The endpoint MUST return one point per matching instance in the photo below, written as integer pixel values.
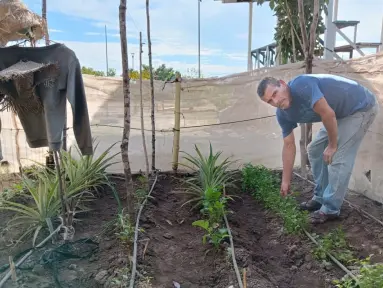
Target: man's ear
(282, 82)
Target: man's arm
(328, 117)
(288, 158)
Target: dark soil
(106, 254)
(170, 249)
(175, 251)
(271, 258)
(364, 234)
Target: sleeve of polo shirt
(286, 125)
(310, 88)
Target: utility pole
(199, 38)
(133, 61)
(249, 60)
(106, 52)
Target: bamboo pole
(130, 192)
(142, 113)
(151, 88)
(17, 142)
(177, 122)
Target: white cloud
(55, 31)
(243, 36)
(174, 30)
(92, 54)
(93, 33)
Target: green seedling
(368, 276)
(264, 186)
(335, 243)
(214, 233)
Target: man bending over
(346, 109)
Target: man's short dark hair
(264, 83)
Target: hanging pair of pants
(331, 181)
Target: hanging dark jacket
(44, 127)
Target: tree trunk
(293, 41)
(142, 113)
(126, 132)
(308, 47)
(151, 88)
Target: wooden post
(151, 88)
(130, 192)
(177, 122)
(142, 112)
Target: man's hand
(328, 154)
(285, 189)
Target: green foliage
(207, 189)
(209, 174)
(335, 243)
(215, 234)
(164, 73)
(125, 229)
(45, 203)
(369, 276)
(91, 71)
(283, 32)
(83, 177)
(214, 208)
(263, 185)
(9, 193)
(111, 72)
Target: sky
(80, 25)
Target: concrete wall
(210, 102)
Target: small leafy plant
(207, 189)
(125, 230)
(335, 243)
(214, 232)
(368, 276)
(264, 186)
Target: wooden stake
(151, 88)
(177, 122)
(14, 120)
(12, 268)
(142, 113)
(244, 278)
(126, 133)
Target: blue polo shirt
(343, 95)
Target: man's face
(278, 96)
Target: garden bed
(171, 252)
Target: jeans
(331, 181)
